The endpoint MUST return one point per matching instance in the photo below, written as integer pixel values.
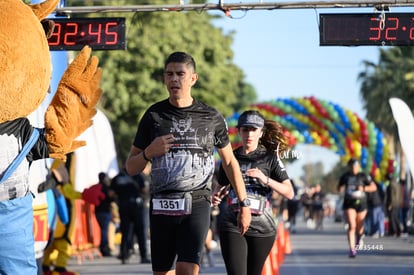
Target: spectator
(393, 203)
(318, 207)
(306, 201)
(130, 198)
(404, 206)
(376, 215)
(293, 207)
(103, 213)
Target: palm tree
(391, 77)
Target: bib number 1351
(169, 204)
(172, 206)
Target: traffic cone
(267, 267)
(281, 234)
(288, 244)
(274, 260)
(280, 241)
(280, 250)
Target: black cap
(250, 120)
(352, 162)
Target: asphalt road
(325, 252)
(313, 252)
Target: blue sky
(280, 54)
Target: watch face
(245, 202)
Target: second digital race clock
(355, 29)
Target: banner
(405, 122)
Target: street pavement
(326, 253)
(314, 252)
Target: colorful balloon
(323, 123)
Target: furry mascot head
(25, 69)
(25, 59)
(25, 74)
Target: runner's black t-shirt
(272, 166)
(197, 129)
(352, 182)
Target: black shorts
(359, 205)
(179, 238)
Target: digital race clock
(386, 29)
(98, 33)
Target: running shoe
(352, 253)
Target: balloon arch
(309, 120)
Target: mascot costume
(25, 73)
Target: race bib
(175, 204)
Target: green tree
(312, 173)
(132, 79)
(331, 179)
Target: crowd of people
(367, 207)
(310, 201)
(252, 180)
(185, 212)
(124, 210)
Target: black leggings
(244, 255)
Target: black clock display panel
(98, 33)
(380, 29)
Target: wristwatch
(244, 203)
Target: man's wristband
(145, 156)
